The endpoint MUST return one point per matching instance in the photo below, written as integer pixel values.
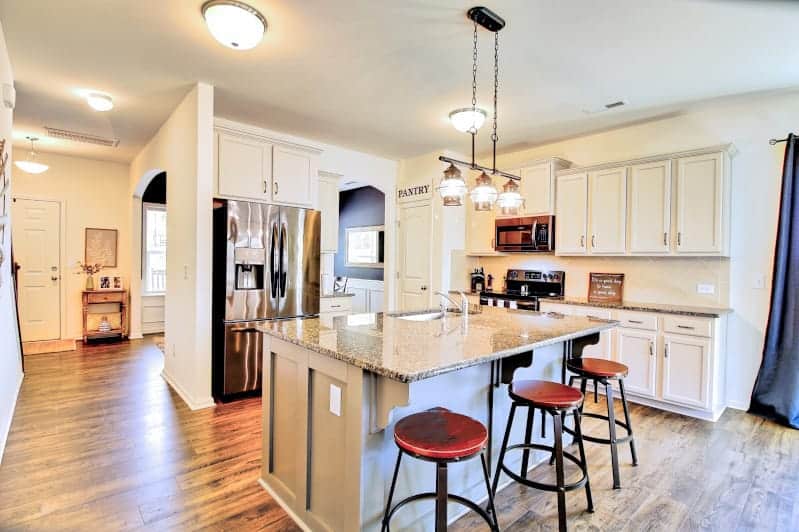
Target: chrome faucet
(464, 305)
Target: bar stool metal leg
(528, 439)
(441, 497)
(578, 431)
(504, 448)
(627, 421)
(491, 508)
(614, 447)
(558, 422)
(391, 492)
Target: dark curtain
(776, 392)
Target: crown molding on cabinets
(729, 149)
(223, 124)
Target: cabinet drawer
(335, 304)
(637, 320)
(110, 297)
(590, 312)
(687, 325)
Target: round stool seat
(545, 394)
(439, 434)
(597, 367)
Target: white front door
(37, 248)
(415, 233)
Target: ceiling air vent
(80, 137)
(613, 105)
(605, 107)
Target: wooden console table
(102, 297)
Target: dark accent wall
(156, 190)
(358, 207)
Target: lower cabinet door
(686, 370)
(636, 350)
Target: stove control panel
(532, 275)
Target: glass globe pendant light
(31, 165)
(468, 119)
(484, 194)
(510, 201)
(452, 188)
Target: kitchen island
(331, 394)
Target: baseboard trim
(738, 405)
(286, 507)
(207, 402)
(7, 429)
(135, 336)
(707, 415)
(48, 346)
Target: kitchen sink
(427, 316)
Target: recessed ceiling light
(234, 24)
(99, 101)
(30, 165)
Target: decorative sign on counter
(415, 193)
(605, 287)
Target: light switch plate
(759, 282)
(335, 400)
(705, 288)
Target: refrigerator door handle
(284, 266)
(275, 264)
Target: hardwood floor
(741, 473)
(100, 442)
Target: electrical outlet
(185, 272)
(173, 350)
(705, 288)
(335, 400)
(759, 281)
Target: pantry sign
(415, 193)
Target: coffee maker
(478, 281)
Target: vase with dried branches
(89, 270)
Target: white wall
(748, 123)
(93, 194)
(183, 148)
(10, 356)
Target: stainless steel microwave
(526, 234)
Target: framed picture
(101, 247)
(116, 283)
(105, 282)
(605, 287)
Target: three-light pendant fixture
(453, 188)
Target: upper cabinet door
(537, 189)
(700, 204)
(571, 214)
(608, 208)
(293, 176)
(244, 167)
(329, 205)
(650, 207)
(480, 229)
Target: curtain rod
(777, 141)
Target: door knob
(423, 288)
(53, 278)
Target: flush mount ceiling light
(30, 165)
(234, 24)
(99, 102)
(469, 120)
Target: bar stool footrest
(450, 497)
(543, 486)
(605, 441)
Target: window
(365, 247)
(154, 248)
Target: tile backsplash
(669, 280)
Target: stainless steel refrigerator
(266, 267)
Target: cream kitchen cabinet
(244, 167)
(537, 186)
(607, 207)
(329, 206)
(293, 176)
(480, 231)
(637, 350)
(649, 208)
(702, 204)
(571, 211)
(686, 370)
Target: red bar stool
(604, 372)
(558, 400)
(442, 437)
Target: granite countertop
(337, 294)
(683, 310)
(408, 351)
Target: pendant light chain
(474, 70)
(494, 137)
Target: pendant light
(452, 187)
(510, 201)
(468, 120)
(30, 165)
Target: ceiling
(381, 76)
